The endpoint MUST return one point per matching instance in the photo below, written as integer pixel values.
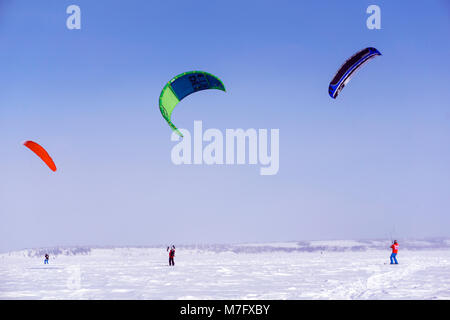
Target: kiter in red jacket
(394, 248)
(171, 256)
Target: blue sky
(374, 159)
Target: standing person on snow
(394, 248)
(171, 256)
(46, 258)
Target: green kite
(180, 87)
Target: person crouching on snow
(394, 248)
(46, 259)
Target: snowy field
(291, 270)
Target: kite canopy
(180, 87)
(41, 153)
(347, 70)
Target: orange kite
(41, 153)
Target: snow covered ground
(290, 270)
